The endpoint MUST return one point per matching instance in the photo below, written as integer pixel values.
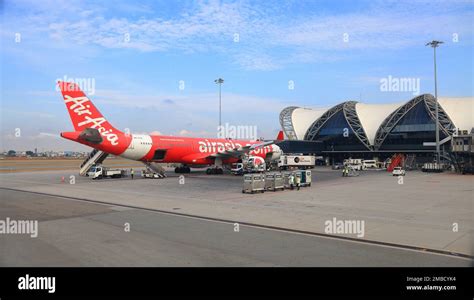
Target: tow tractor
(99, 172)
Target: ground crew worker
(291, 180)
(298, 182)
(131, 173)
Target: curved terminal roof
(370, 117)
(305, 117)
(460, 110)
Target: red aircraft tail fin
(280, 136)
(82, 111)
(90, 126)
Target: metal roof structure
(372, 123)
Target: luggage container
(305, 178)
(274, 181)
(254, 183)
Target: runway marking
(261, 226)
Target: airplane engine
(255, 164)
(255, 161)
(275, 154)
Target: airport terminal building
(380, 130)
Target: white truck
(99, 172)
(299, 161)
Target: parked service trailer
(299, 161)
(254, 183)
(274, 181)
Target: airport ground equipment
(433, 167)
(349, 171)
(298, 161)
(396, 161)
(249, 166)
(254, 183)
(149, 173)
(237, 169)
(254, 164)
(99, 171)
(354, 163)
(410, 162)
(274, 181)
(305, 178)
(296, 173)
(286, 179)
(155, 168)
(96, 157)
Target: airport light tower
(434, 44)
(220, 81)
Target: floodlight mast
(220, 81)
(434, 44)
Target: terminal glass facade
(412, 130)
(337, 135)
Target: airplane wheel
(187, 170)
(220, 171)
(177, 170)
(208, 171)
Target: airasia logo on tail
(79, 106)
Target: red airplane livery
(93, 130)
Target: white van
(370, 164)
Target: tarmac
(424, 221)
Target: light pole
(434, 44)
(220, 81)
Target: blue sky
(332, 50)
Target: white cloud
(209, 26)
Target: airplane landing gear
(210, 171)
(183, 169)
